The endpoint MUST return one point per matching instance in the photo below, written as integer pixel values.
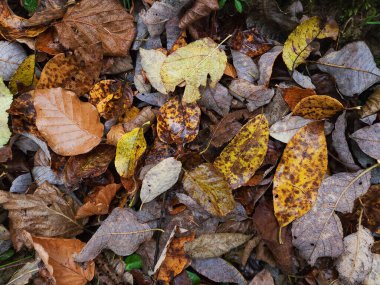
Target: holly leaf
(368, 139)
(6, 99)
(317, 107)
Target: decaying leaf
(285, 129)
(177, 122)
(374, 276)
(22, 276)
(245, 66)
(6, 99)
(121, 232)
(93, 21)
(241, 158)
(250, 42)
(152, 61)
(24, 74)
(200, 9)
(266, 63)
(217, 99)
(60, 111)
(317, 107)
(129, 149)
(142, 120)
(297, 46)
(11, 56)
(293, 95)
(160, 178)
(262, 278)
(368, 139)
(355, 263)
(214, 245)
(192, 64)
(299, 173)
(98, 202)
(372, 105)
(208, 188)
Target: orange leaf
(294, 94)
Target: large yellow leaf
(24, 74)
(192, 64)
(299, 173)
(129, 149)
(297, 46)
(245, 153)
(5, 102)
(317, 107)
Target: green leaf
(133, 261)
(238, 6)
(6, 255)
(222, 3)
(195, 279)
(30, 5)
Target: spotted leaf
(318, 107)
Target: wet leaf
(160, 178)
(129, 149)
(293, 95)
(192, 64)
(368, 139)
(208, 188)
(121, 232)
(60, 111)
(11, 56)
(297, 47)
(178, 123)
(240, 159)
(24, 74)
(6, 99)
(89, 22)
(200, 9)
(318, 107)
(300, 173)
(152, 61)
(250, 42)
(372, 105)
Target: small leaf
(200, 9)
(240, 159)
(238, 6)
(129, 149)
(299, 173)
(317, 107)
(133, 261)
(24, 74)
(250, 42)
(368, 139)
(266, 63)
(245, 66)
(6, 99)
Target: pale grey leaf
(11, 56)
(368, 139)
(28, 142)
(156, 99)
(286, 128)
(302, 80)
(266, 62)
(172, 32)
(262, 278)
(276, 109)
(217, 99)
(116, 64)
(43, 174)
(5, 239)
(23, 275)
(142, 31)
(245, 67)
(374, 276)
(21, 183)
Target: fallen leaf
(25, 273)
(317, 107)
(230, 70)
(276, 109)
(218, 270)
(192, 64)
(116, 64)
(373, 277)
(262, 278)
(47, 42)
(143, 119)
(302, 80)
(24, 74)
(353, 68)
(286, 128)
(250, 42)
(155, 98)
(266, 63)
(152, 61)
(21, 183)
(300, 173)
(129, 149)
(46, 11)
(200, 9)
(60, 111)
(245, 66)
(372, 105)
(47, 212)
(45, 173)
(217, 99)
(158, 152)
(6, 99)
(240, 159)
(214, 245)
(88, 22)
(178, 123)
(319, 233)
(121, 232)
(368, 139)
(160, 178)
(111, 98)
(180, 40)
(76, 72)
(11, 56)
(356, 260)
(297, 47)
(208, 188)
(293, 95)
(57, 255)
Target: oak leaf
(61, 112)
(24, 74)
(317, 107)
(368, 139)
(6, 99)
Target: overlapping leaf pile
(141, 144)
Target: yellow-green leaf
(317, 107)
(245, 153)
(129, 149)
(208, 187)
(297, 47)
(299, 173)
(5, 102)
(24, 74)
(192, 64)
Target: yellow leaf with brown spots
(299, 173)
(129, 149)
(317, 107)
(245, 153)
(177, 122)
(24, 74)
(111, 97)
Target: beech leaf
(368, 139)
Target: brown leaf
(142, 120)
(159, 151)
(317, 107)
(250, 42)
(372, 105)
(47, 11)
(200, 9)
(47, 43)
(115, 134)
(93, 21)
(262, 278)
(292, 95)
(61, 112)
(57, 255)
(217, 99)
(76, 72)
(47, 212)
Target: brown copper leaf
(47, 43)
(200, 9)
(159, 151)
(250, 42)
(94, 21)
(292, 95)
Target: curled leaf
(11, 56)
(200, 9)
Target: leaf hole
(312, 244)
(360, 183)
(294, 237)
(276, 196)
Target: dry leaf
(24, 75)
(143, 119)
(158, 152)
(192, 64)
(152, 61)
(208, 188)
(250, 42)
(317, 107)
(262, 278)
(11, 56)
(286, 128)
(217, 99)
(47, 42)
(160, 178)
(299, 173)
(200, 9)
(21, 183)
(372, 105)
(178, 123)
(245, 66)
(6, 99)
(374, 276)
(266, 63)
(23, 275)
(60, 111)
(240, 159)
(293, 95)
(368, 139)
(93, 21)
(156, 98)
(121, 232)
(98, 202)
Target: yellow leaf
(24, 74)
(245, 153)
(297, 47)
(129, 149)
(192, 64)
(151, 61)
(299, 173)
(5, 102)
(317, 107)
